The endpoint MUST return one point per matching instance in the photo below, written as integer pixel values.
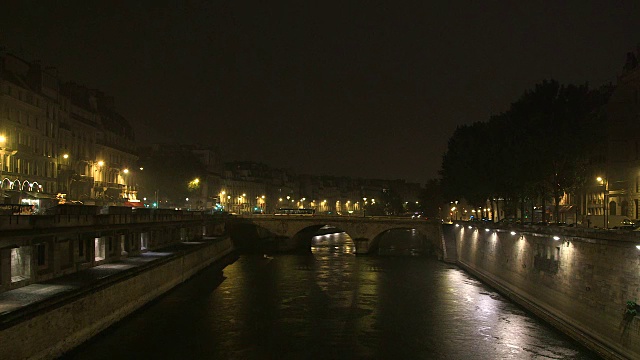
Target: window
(42, 254)
(99, 249)
(81, 248)
(20, 263)
(144, 241)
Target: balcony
(108, 185)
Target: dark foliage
(534, 152)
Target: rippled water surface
(330, 304)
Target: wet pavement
(18, 302)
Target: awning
(36, 195)
(561, 208)
(134, 204)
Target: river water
(331, 304)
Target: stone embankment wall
(579, 281)
(51, 332)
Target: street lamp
(98, 164)
(3, 151)
(364, 207)
(605, 215)
(67, 176)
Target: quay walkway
(74, 295)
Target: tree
(169, 173)
(432, 198)
(391, 202)
(536, 151)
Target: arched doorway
(613, 210)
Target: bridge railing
(27, 222)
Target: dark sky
(364, 89)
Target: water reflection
(335, 243)
(404, 242)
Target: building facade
(615, 189)
(61, 140)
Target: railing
(564, 232)
(29, 222)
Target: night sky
(363, 89)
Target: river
(331, 304)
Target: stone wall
(59, 328)
(578, 284)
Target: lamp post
(125, 187)
(3, 151)
(67, 176)
(605, 216)
(156, 196)
(93, 167)
(364, 207)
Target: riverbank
(578, 280)
(44, 320)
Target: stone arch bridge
(363, 230)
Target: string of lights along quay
(331, 304)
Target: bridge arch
(323, 235)
(363, 230)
